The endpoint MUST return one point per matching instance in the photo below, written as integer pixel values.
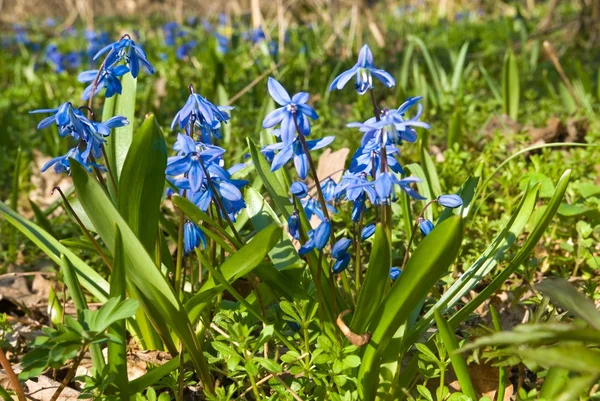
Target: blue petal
(282, 158)
(288, 129)
(340, 248)
(301, 164)
(341, 80)
(274, 117)
(299, 189)
(365, 57)
(278, 92)
(308, 111)
(300, 98)
(426, 226)
(229, 191)
(319, 143)
(322, 234)
(384, 77)
(395, 273)
(341, 264)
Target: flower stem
(14, 380)
(414, 230)
(86, 232)
(179, 262)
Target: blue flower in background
(109, 79)
(295, 150)
(184, 50)
(127, 51)
(291, 106)
(317, 238)
(193, 237)
(425, 225)
(363, 70)
(171, 31)
(96, 41)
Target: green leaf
(458, 363)
(119, 141)
(41, 219)
(576, 358)
(268, 364)
(422, 187)
(159, 299)
(459, 68)
(117, 352)
(429, 262)
(142, 182)
(455, 133)
(376, 280)
(261, 215)
(567, 296)
(236, 266)
(113, 310)
(510, 86)
(154, 375)
(87, 276)
(521, 255)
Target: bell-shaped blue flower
(452, 201)
(425, 225)
(363, 71)
(299, 189)
(193, 237)
(294, 225)
(317, 238)
(340, 248)
(341, 264)
(291, 107)
(367, 232)
(328, 187)
(395, 273)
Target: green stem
(179, 263)
(414, 230)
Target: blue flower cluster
(90, 136)
(122, 57)
(197, 170)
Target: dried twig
(14, 380)
(358, 340)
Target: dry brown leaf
(44, 388)
(485, 381)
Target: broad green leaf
(468, 193)
(261, 215)
(141, 183)
(119, 141)
(236, 266)
(510, 86)
(159, 299)
(567, 296)
(41, 219)
(430, 261)
(87, 276)
(458, 363)
(117, 352)
(373, 288)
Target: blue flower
(367, 159)
(363, 70)
(188, 161)
(317, 238)
(109, 78)
(340, 248)
(69, 120)
(341, 264)
(62, 164)
(451, 201)
(367, 231)
(295, 150)
(294, 106)
(426, 226)
(312, 207)
(395, 273)
(328, 186)
(355, 186)
(384, 186)
(202, 113)
(184, 50)
(392, 127)
(127, 51)
(294, 225)
(193, 237)
(299, 189)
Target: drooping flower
(425, 225)
(317, 238)
(340, 247)
(295, 150)
(292, 107)
(294, 225)
(328, 187)
(127, 51)
(299, 189)
(312, 207)
(193, 237)
(109, 78)
(341, 264)
(367, 232)
(363, 70)
(62, 164)
(452, 201)
(198, 111)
